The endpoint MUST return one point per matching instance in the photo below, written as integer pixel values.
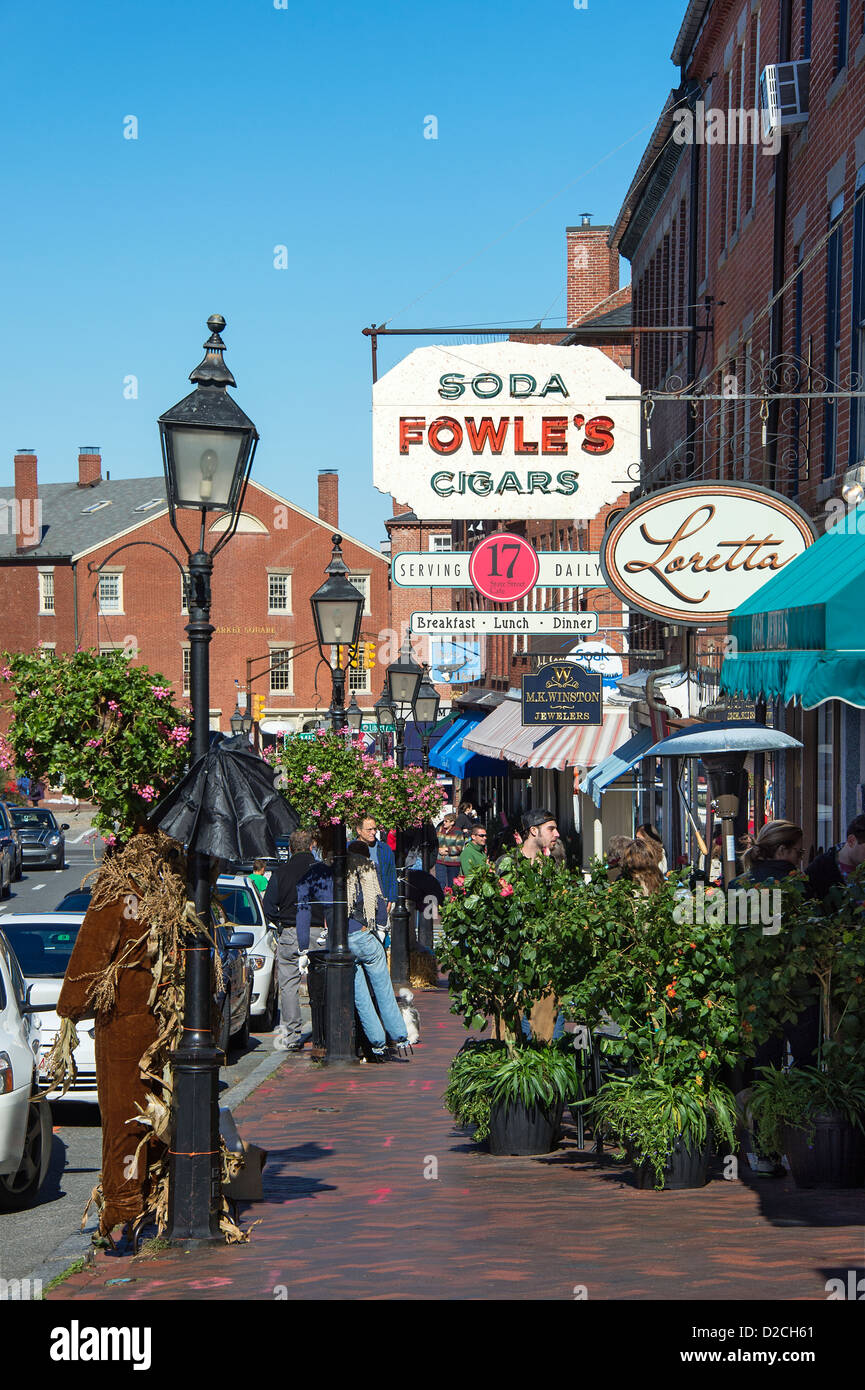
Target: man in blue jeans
(366, 910)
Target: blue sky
(303, 127)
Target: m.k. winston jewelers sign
(562, 693)
(693, 553)
(511, 430)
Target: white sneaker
(281, 1040)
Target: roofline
(118, 535)
(688, 31)
(310, 516)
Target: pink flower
(506, 889)
(179, 735)
(93, 743)
(334, 820)
(110, 839)
(113, 705)
(5, 673)
(459, 881)
(34, 695)
(146, 793)
(28, 752)
(306, 778)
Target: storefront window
(825, 785)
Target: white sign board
(502, 624)
(694, 552)
(511, 430)
(559, 569)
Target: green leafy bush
(532, 1075)
(647, 1115)
(796, 1097)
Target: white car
(25, 1124)
(242, 905)
(43, 943)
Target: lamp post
(337, 611)
(403, 683)
(208, 444)
(354, 716)
(426, 713)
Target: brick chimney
(593, 268)
(89, 466)
(399, 508)
(328, 496)
(28, 515)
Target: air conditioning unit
(784, 95)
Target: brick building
(61, 533)
(407, 534)
(754, 246)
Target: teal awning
(451, 755)
(802, 635)
(601, 778)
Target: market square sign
(692, 553)
(508, 430)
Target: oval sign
(693, 553)
(504, 567)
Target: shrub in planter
(667, 1129)
(513, 1095)
(817, 1119)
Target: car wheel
(268, 1018)
(18, 1190)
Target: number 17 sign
(504, 567)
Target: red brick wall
(328, 497)
(89, 469)
(592, 269)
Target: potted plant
(659, 994)
(503, 944)
(815, 1114)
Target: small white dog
(411, 1017)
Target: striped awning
(494, 733)
(573, 746)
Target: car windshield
(43, 820)
(239, 906)
(42, 948)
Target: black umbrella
(227, 805)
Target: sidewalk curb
(75, 1247)
(236, 1095)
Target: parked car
(243, 906)
(42, 839)
(244, 866)
(232, 1002)
(42, 942)
(25, 1124)
(9, 836)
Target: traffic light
(369, 655)
(258, 703)
(350, 656)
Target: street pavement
(44, 1240)
(371, 1193)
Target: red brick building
(61, 533)
(754, 245)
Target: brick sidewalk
(350, 1214)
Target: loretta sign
(510, 430)
(693, 553)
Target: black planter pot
(686, 1167)
(518, 1129)
(835, 1159)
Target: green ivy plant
(111, 730)
(331, 778)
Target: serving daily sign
(691, 554)
(512, 430)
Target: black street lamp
(426, 713)
(241, 722)
(208, 446)
(403, 683)
(337, 611)
(354, 716)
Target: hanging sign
(504, 567)
(473, 623)
(562, 694)
(557, 569)
(692, 553)
(509, 430)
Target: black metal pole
(399, 947)
(340, 964)
(194, 1191)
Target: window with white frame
(281, 672)
(111, 592)
(47, 649)
(441, 542)
(361, 581)
(278, 591)
(358, 680)
(186, 681)
(46, 591)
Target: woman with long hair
(652, 840)
(774, 852)
(639, 865)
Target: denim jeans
(371, 971)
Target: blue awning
(601, 778)
(450, 755)
(413, 746)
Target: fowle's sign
(693, 553)
(511, 430)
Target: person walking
(466, 817)
(451, 842)
(474, 851)
(280, 906)
(366, 908)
